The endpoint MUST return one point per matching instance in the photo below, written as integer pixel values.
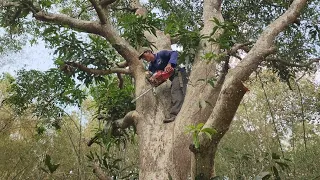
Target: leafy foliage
(113, 166)
(229, 32)
(112, 104)
(133, 26)
(45, 93)
(250, 149)
(183, 21)
(196, 129)
(88, 50)
(111, 101)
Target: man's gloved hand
(168, 68)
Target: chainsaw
(155, 80)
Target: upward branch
(160, 40)
(233, 90)
(99, 11)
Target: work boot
(170, 119)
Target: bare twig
(303, 117)
(84, 10)
(236, 47)
(88, 26)
(272, 116)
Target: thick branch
(210, 9)
(88, 26)
(107, 31)
(128, 120)
(311, 61)
(140, 10)
(99, 11)
(160, 40)
(236, 47)
(98, 71)
(233, 89)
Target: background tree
(251, 147)
(210, 31)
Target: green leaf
(216, 21)
(212, 81)
(210, 131)
(209, 135)
(190, 128)
(196, 141)
(199, 126)
(214, 30)
(169, 176)
(40, 130)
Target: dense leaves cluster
(132, 28)
(44, 93)
(111, 101)
(88, 50)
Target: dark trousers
(178, 92)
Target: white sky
(30, 57)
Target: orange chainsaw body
(159, 77)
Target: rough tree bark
(165, 149)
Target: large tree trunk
(165, 148)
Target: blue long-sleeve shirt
(162, 58)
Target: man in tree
(166, 60)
